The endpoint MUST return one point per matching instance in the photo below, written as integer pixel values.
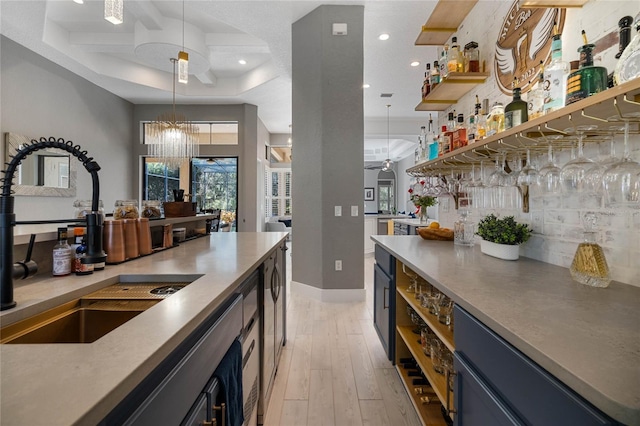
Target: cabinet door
(198, 415)
(268, 337)
(278, 295)
(382, 290)
(476, 403)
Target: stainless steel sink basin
(87, 319)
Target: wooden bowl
(440, 234)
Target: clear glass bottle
(460, 133)
(454, 57)
(471, 129)
(481, 119)
(471, 57)
(444, 58)
(433, 140)
(628, 67)
(588, 79)
(555, 77)
(82, 268)
(464, 230)
(515, 113)
(423, 144)
(589, 264)
(435, 75)
(126, 209)
(495, 119)
(535, 97)
(61, 255)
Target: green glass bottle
(588, 79)
(515, 113)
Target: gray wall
(328, 131)
(40, 98)
(247, 150)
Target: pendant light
(113, 11)
(386, 164)
(172, 138)
(183, 57)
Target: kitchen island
(63, 384)
(586, 338)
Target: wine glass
(527, 177)
(497, 180)
(549, 175)
(621, 181)
(593, 178)
(572, 176)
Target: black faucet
(9, 270)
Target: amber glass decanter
(589, 265)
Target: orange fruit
(434, 225)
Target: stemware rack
(607, 108)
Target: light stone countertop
(588, 338)
(64, 384)
(413, 222)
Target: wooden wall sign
(524, 41)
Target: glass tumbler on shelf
(589, 264)
(413, 277)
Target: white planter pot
(501, 251)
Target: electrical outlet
(338, 210)
(338, 265)
(354, 210)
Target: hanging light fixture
(172, 139)
(183, 57)
(386, 164)
(289, 140)
(113, 11)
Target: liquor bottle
(471, 57)
(435, 75)
(423, 89)
(454, 57)
(555, 76)
(471, 128)
(83, 268)
(451, 120)
(536, 96)
(625, 34)
(515, 113)
(588, 79)
(78, 234)
(444, 58)
(433, 141)
(495, 119)
(427, 80)
(628, 67)
(460, 133)
(481, 119)
(61, 255)
(445, 142)
(423, 143)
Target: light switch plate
(338, 210)
(338, 265)
(354, 210)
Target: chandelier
(171, 137)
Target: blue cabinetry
(384, 300)
(497, 384)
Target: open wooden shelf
(622, 99)
(429, 414)
(437, 381)
(444, 21)
(450, 89)
(444, 332)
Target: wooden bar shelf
(444, 21)
(430, 414)
(450, 89)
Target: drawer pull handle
(223, 409)
(384, 298)
(448, 374)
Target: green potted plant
(501, 238)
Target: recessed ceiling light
(383, 36)
(415, 63)
(242, 62)
(366, 86)
(79, 1)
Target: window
(160, 181)
(385, 196)
(277, 183)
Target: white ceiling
(131, 60)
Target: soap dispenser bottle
(589, 264)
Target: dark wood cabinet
(384, 296)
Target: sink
(90, 317)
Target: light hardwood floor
(333, 369)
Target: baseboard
(329, 294)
